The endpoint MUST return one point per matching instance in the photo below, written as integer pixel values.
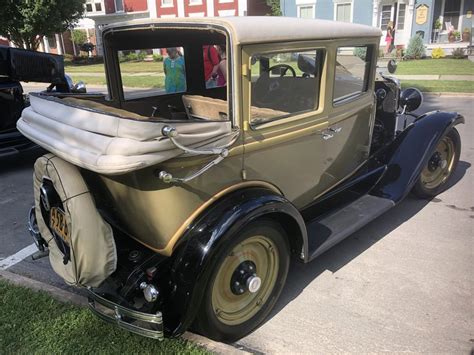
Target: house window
(94, 5)
(401, 16)
(285, 84)
(386, 16)
(52, 42)
(118, 5)
(195, 2)
(306, 12)
(452, 9)
(343, 12)
(167, 3)
(352, 69)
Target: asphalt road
(404, 283)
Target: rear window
(352, 69)
(152, 72)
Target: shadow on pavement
(20, 161)
(300, 275)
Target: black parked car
(18, 65)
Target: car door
(284, 117)
(352, 115)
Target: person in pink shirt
(220, 70)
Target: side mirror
(79, 88)
(410, 99)
(392, 66)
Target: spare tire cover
(81, 244)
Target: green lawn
(440, 85)
(128, 81)
(436, 67)
(32, 322)
(125, 67)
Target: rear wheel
(441, 165)
(245, 283)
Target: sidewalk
(436, 77)
(95, 74)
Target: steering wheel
(269, 91)
(286, 67)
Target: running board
(327, 231)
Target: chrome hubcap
(254, 283)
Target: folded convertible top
(107, 142)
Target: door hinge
(246, 71)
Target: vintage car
(179, 206)
(18, 65)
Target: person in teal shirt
(175, 74)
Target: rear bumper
(144, 324)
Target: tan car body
(288, 155)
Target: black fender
(194, 258)
(406, 156)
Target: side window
(352, 69)
(285, 84)
(215, 65)
(152, 72)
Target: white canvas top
(260, 29)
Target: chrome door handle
(329, 133)
(335, 130)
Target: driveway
(403, 283)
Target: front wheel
(245, 283)
(441, 166)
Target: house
(410, 17)
(103, 12)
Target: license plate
(58, 224)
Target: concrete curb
(69, 297)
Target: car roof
(261, 29)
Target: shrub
(157, 57)
(458, 53)
(84, 59)
(360, 52)
(141, 55)
(416, 48)
(68, 57)
(131, 57)
(437, 53)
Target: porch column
(210, 8)
(375, 15)
(180, 4)
(58, 44)
(409, 20)
(427, 26)
(46, 44)
(151, 4)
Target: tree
(79, 37)
(24, 22)
(275, 7)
